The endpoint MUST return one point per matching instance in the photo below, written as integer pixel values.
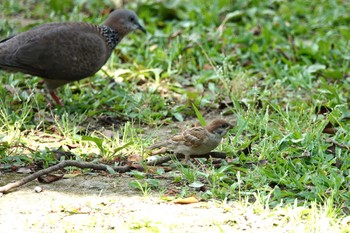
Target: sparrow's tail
(156, 145)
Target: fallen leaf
(263, 162)
(66, 154)
(341, 145)
(135, 158)
(225, 104)
(73, 146)
(247, 150)
(322, 110)
(49, 178)
(256, 30)
(167, 168)
(196, 184)
(24, 170)
(208, 67)
(10, 89)
(188, 200)
(329, 129)
(71, 175)
(153, 47)
(108, 133)
(339, 163)
(331, 149)
(174, 35)
(247, 63)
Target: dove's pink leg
(55, 98)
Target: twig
(337, 143)
(68, 163)
(167, 158)
(306, 154)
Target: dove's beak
(141, 28)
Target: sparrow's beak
(230, 126)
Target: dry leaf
(263, 162)
(10, 89)
(49, 178)
(256, 30)
(331, 149)
(329, 130)
(208, 67)
(322, 110)
(175, 34)
(134, 158)
(108, 133)
(24, 170)
(71, 175)
(188, 200)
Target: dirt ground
(99, 203)
(104, 204)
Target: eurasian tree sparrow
(196, 140)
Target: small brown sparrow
(196, 140)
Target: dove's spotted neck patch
(111, 36)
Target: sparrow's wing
(191, 137)
(195, 136)
(177, 139)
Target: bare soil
(98, 203)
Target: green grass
(270, 65)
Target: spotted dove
(66, 52)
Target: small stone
(38, 189)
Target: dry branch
(338, 144)
(121, 169)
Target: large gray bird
(66, 52)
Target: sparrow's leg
(187, 158)
(188, 162)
